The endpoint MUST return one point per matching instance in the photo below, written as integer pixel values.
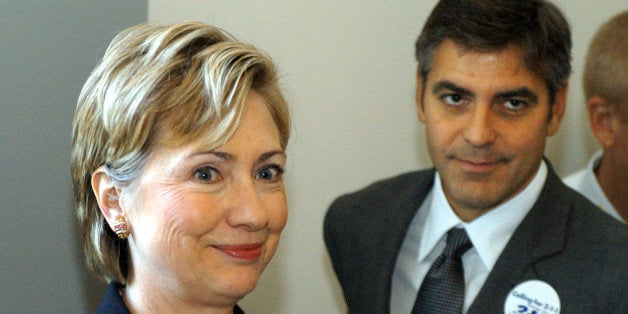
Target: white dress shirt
(425, 241)
(585, 182)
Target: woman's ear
(107, 195)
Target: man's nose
(480, 128)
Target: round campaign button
(532, 297)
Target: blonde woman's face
(206, 222)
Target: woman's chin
(241, 284)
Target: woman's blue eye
(269, 174)
(204, 174)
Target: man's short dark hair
(537, 27)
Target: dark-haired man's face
(486, 119)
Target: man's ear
(419, 97)
(558, 109)
(601, 120)
(107, 195)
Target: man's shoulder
(400, 195)
(596, 248)
(598, 226)
(588, 228)
(569, 217)
(392, 187)
(370, 224)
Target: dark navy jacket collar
(113, 303)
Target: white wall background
(348, 71)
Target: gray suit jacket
(565, 241)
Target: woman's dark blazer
(113, 303)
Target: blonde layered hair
(606, 64)
(167, 84)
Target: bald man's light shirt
(585, 182)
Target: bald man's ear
(419, 97)
(601, 118)
(107, 195)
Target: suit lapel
(540, 234)
(403, 207)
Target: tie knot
(457, 243)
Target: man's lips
(479, 165)
(248, 252)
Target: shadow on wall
(47, 52)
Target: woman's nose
(247, 209)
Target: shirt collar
(490, 232)
(439, 219)
(593, 186)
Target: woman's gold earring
(120, 227)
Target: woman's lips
(247, 252)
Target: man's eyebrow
(523, 92)
(450, 86)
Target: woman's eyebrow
(265, 156)
(221, 155)
(230, 157)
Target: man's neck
(614, 185)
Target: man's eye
(269, 173)
(453, 99)
(515, 104)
